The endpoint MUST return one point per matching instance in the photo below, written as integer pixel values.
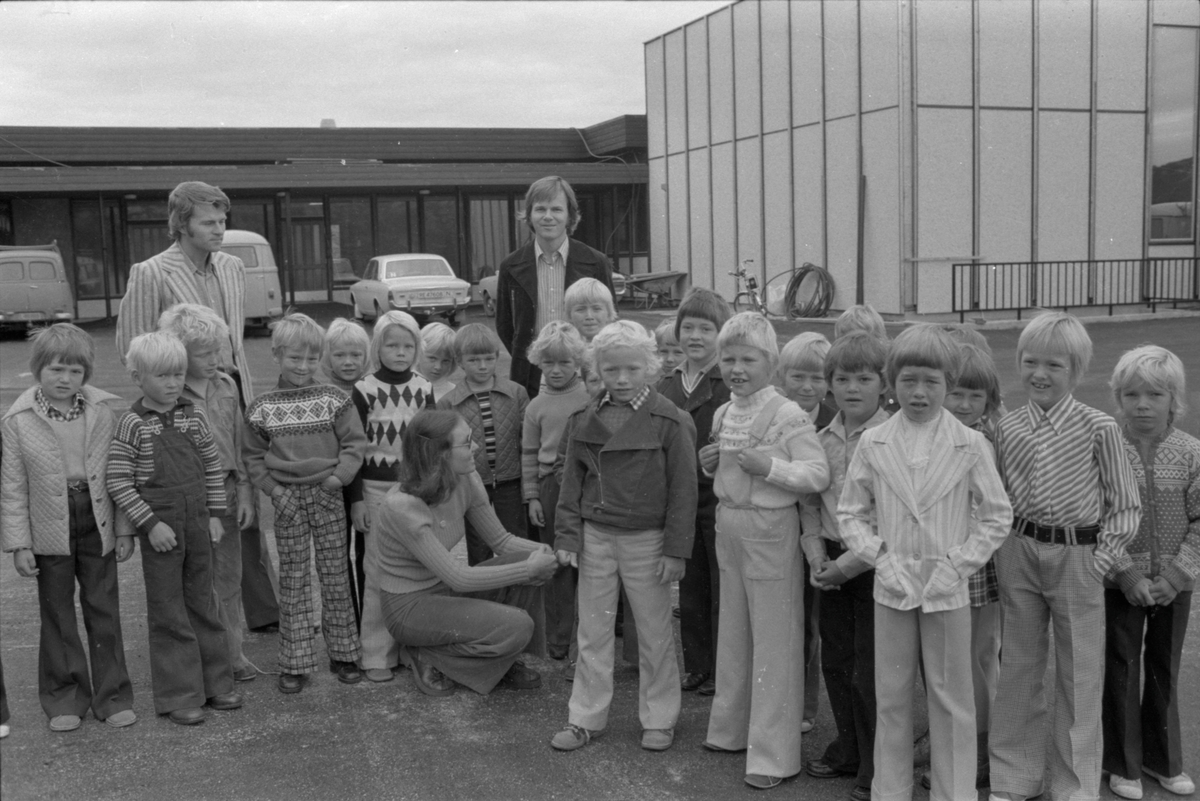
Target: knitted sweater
(1167, 542)
(509, 400)
(33, 483)
(545, 423)
(302, 435)
(386, 400)
(131, 458)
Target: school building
(327, 199)
(969, 157)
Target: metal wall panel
(807, 70)
(776, 67)
(944, 60)
(1062, 192)
(659, 235)
(720, 74)
(944, 202)
(724, 225)
(749, 202)
(676, 100)
(656, 103)
(880, 54)
(808, 197)
(697, 83)
(1064, 53)
(1005, 53)
(1120, 185)
(1005, 185)
(1176, 12)
(881, 242)
(700, 192)
(841, 203)
(841, 59)
(777, 204)
(677, 211)
(747, 76)
(1121, 56)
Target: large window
(397, 225)
(349, 237)
(1173, 134)
(490, 222)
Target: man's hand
(162, 537)
(542, 567)
(670, 568)
(25, 562)
(535, 513)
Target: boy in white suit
(906, 509)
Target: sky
(557, 63)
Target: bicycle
(800, 300)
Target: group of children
(866, 495)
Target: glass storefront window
(490, 221)
(397, 225)
(349, 238)
(144, 210)
(1173, 134)
(441, 229)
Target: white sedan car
(421, 284)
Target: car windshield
(410, 268)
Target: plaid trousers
(1044, 586)
(307, 515)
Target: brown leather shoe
(429, 679)
(520, 677)
(226, 701)
(187, 717)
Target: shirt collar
(54, 414)
(204, 268)
(636, 402)
(1057, 416)
(563, 249)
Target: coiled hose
(822, 290)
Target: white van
(33, 286)
(264, 300)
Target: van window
(42, 271)
(246, 253)
(12, 271)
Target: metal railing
(1021, 286)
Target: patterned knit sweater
(1167, 542)
(545, 422)
(386, 400)
(131, 458)
(508, 400)
(302, 435)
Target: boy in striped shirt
(1075, 509)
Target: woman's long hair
(426, 472)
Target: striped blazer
(168, 278)
(933, 540)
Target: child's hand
(1139, 594)
(162, 537)
(542, 567)
(25, 562)
(277, 491)
(245, 508)
(754, 462)
(360, 516)
(216, 529)
(830, 576)
(332, 484)
(124, 548)
(670, 568)
(567, 558)
(1162, 591)
(710, 456)
(535, 513)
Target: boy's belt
(1066, 535)
(77, 486)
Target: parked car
(264, 299)
(33, 286)
(421, 284)
(487, 291)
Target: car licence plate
(428, 296)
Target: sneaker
(806, 725)
(520, 677)
(379, 675)
(572, 738)
(126, 717)
(657, 739)
(1179, 785)
(1126, 788)
(3, 730)
(65, 723)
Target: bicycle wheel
(743, 302)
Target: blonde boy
(213, 392)
(669, 350)
(438, 361)
(303, 442)
(906, 510)
(589, 306)
(862, 317)
(347, 347)
(1075, 509)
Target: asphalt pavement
(388, 741)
